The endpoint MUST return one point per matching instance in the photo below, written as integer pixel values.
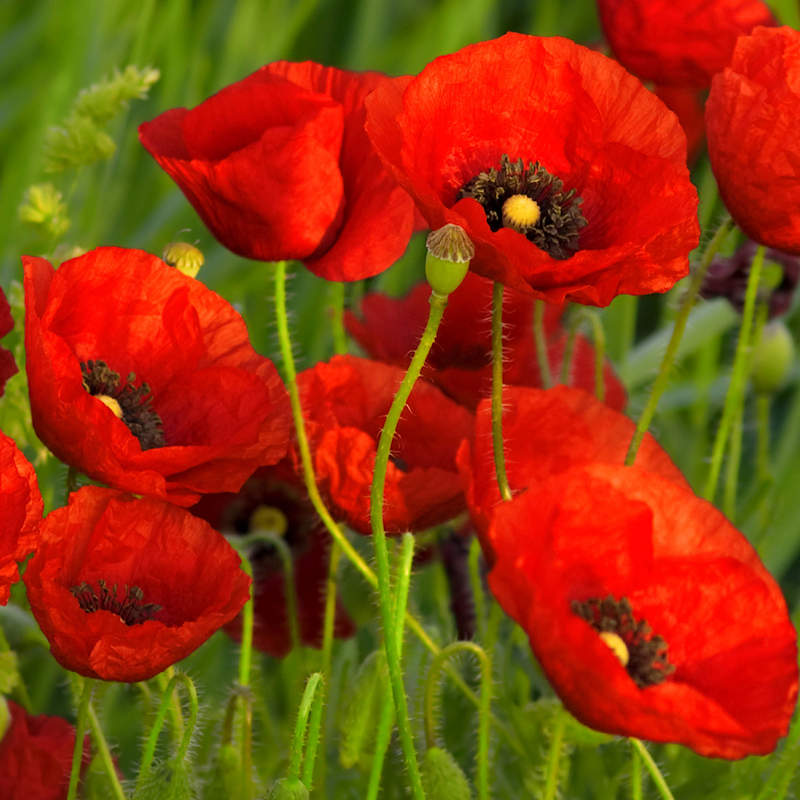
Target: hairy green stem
(437, 306)
(382, 738)
(313, 683)
(540, 340)
(402, 584)
(80, 732)
(735, 396)
(100, 743)
(662, 379)
(652, 768)
(552, 768)
(636, 775)
(497, 391)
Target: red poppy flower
(460, 359)
(566, 173)
(145, 379)
(8, 367)
(345, 403)
(36, 756)
(278, 166)
(678, 42)
(124, 587)
(21, 509)
(752, 117)
(547, 432)
(273, 500)
(606, 564)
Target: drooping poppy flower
(145, 379)
(345, 403)
(124, 587)
(8, 367)
(678, 42)
(727, 277)
(546, 432)
(650, 614)
(274, 501)
(568, 175)
(21, 509)
(752, 117)
(278, 166)
(36, 756)
(460, 359)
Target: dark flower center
(130, 609)
(647, 661)
(133, 404)
(531, 201)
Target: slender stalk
(554, 757)
(477, 586)
(652, 768)
(336, 313)
(246, 648)
(314, 740)
(662, 378)
(541, 344)
(438, 303)
(569, 348)
(104, 752)
(382, 737)
(735, 395)
(636, 775)
(80, 732)
(763, 470)
(402, 584)
(599, 340)
(497, 391)
(298, 743)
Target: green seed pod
(772, 358)
(361, 711)
(442, 778)
(288, 789)
(449, 252)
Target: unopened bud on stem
(449, 252)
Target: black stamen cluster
(130, 609)
(135, 401)
(561, 218)
(648, 663)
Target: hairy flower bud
(449, 252)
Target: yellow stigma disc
(616, 645)
(520, 212)
(110, 402)
(269, 519)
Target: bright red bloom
(547, 432)
(21, 509)
(201, 410)
(272, 500)
(626, 555)
(678, 42)
(460, 359)
(345, 403)
(8, 367)
(752, 118)
(593, 153)
(123, 587)
(36, 756)
(278, 166)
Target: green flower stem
(497, 391)
(402, 584)
(438, 303)
(313, 683)
(554, 756)
(599, 339)
(665, 369)
(246, 648)
(336, 312)
(776, 787)
(569, 347)
(652, 768)
(314, 728)
(163, 679)
(431, 686)
(152, 738)
(313, 493)
(541, 344)
(104, 752)
(735, 396)
(636, 775)
(763, 469)
(476, 584)
(80, 732)
(382, 738)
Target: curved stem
(402, 584)
(735, 395)
(438, 303)
(246, 649)
(431, 685)
(298, 743)
(104, 752)
(541, 344)
(80, 732)
(497, 391)
(554, 756)
(382, 737)
(662, 378)
(652, 768)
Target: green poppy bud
(185, 257)
(449, 252)
(773, 356)
(288, 789)
(442, 778)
